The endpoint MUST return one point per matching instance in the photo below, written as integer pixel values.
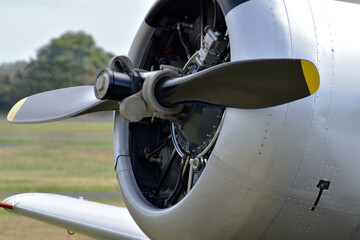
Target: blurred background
(46, 45)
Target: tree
(70, 60)
(11, 83)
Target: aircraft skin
(262, 178)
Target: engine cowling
(152, 157)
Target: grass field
(63, 128)
(54, 157)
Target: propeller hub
(112, 85)
(102, 84)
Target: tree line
(72, 59)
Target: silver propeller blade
(59, 104)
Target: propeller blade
(250, 84)
(58, 104)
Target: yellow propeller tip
(15, 109)
(311, 75)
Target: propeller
(248, 84)
(58, 104)
(245, 84)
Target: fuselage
(261, 180)
(283, 152)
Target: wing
(350, 1)
(86, 217)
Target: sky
(27, 25)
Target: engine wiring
(165, 172)
(150, 152)
(215, 14)
(186, 48)
(190, 41)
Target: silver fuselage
(261, 179)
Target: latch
(321, 186)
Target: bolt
(196, 164)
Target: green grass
(64, 128)
(54, 157)
(15, 227)
(54, 164)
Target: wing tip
(6, 205)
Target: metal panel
(295, 222)
(249, 138)
(217, 215)
(120, 136)
(337, 122)
(302, 30)
(140, 44)
(296, 125)
(259, 29)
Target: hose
(187, 51)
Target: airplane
(233, 119)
